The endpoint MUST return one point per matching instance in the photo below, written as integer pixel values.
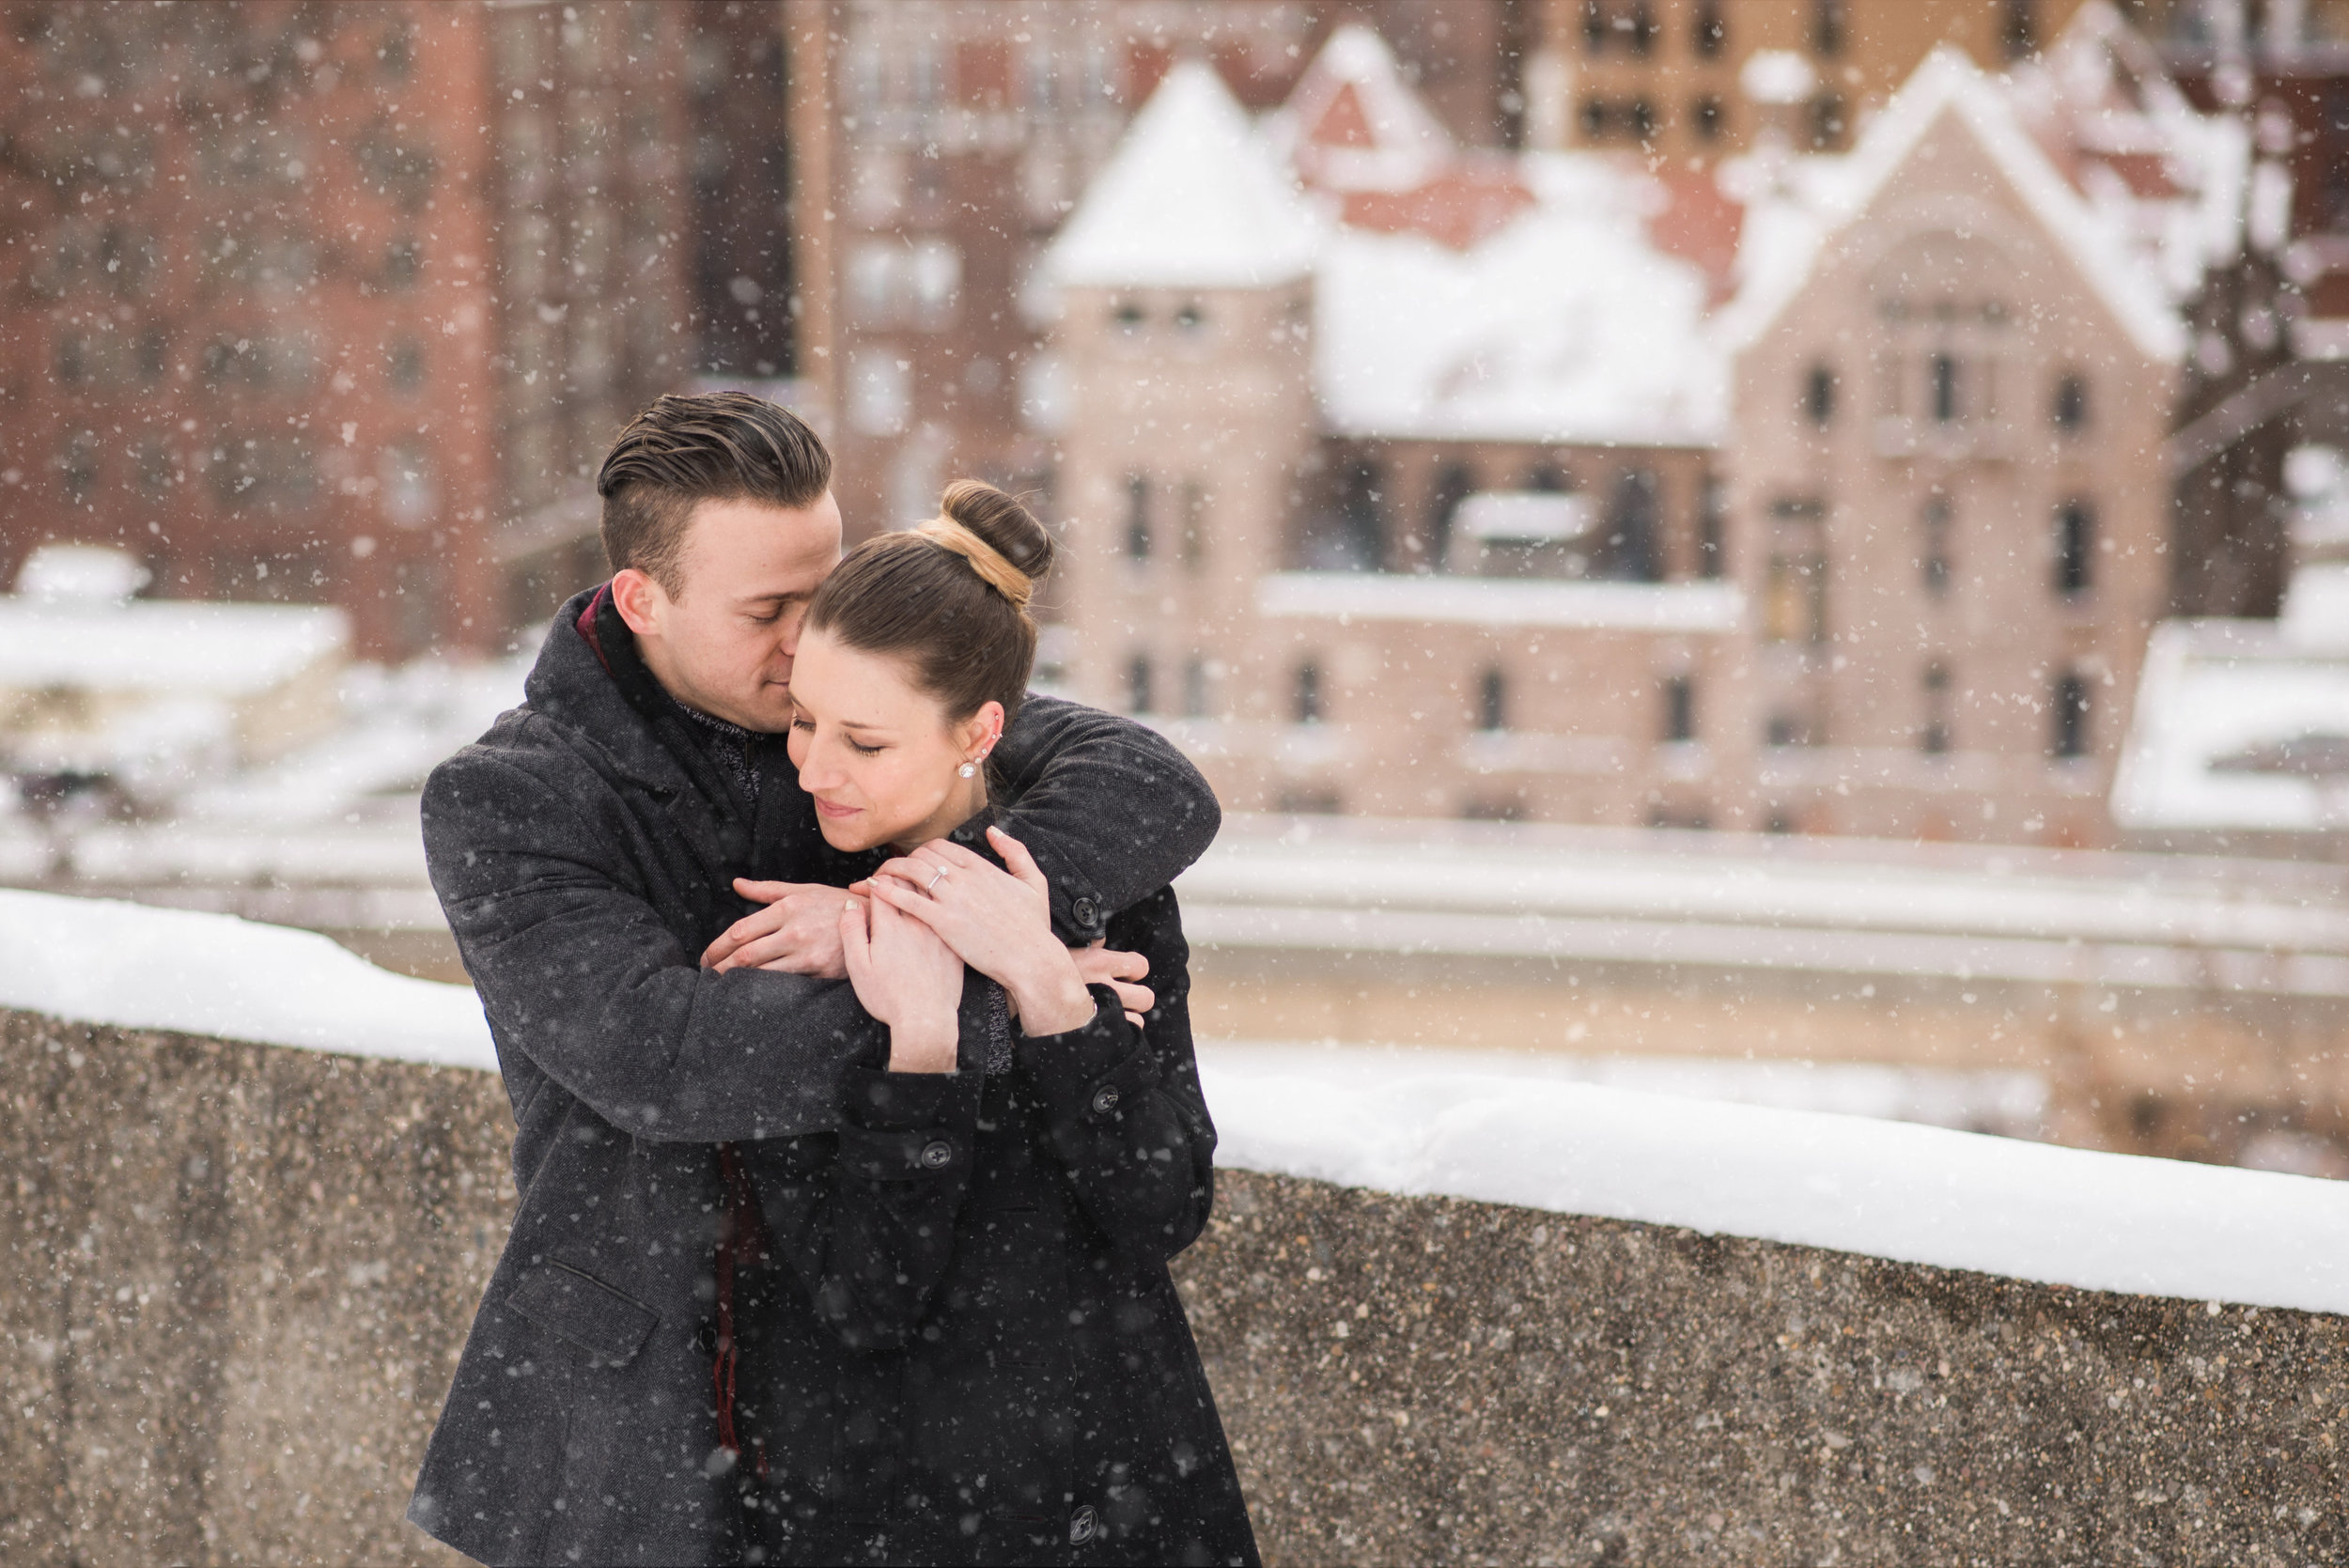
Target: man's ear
(639, 600)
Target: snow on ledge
(1848, 1184)
(1663, 607)
(133, 967)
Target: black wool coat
(965, 1347)
(584, 851)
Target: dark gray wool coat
(964, 1346)
(583, 852)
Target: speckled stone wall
(237, 1278)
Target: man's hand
(1122, 972)
(798, 931)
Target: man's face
(725, 641)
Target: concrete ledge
(239, 1275)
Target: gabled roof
(1948, 86)
(1189, 200)
(1353, 123)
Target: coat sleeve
(577, 973)
(1108, 808)
(1123, 1111)
(870, 1232)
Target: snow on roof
(2244, 725)
(1679, 606)
(165, 647)
(81, 574)
(1919, 1194)
(1849, 1184)
(1191, 199)
(1569, 325)
(133, 967)
(1948, 85)
(1353, 123)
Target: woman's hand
(909, 979)
(1000, 923)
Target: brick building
(1823, 495)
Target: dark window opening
(2076, 545)
(1307, 708)
(1639, 22)
(2071, 404)
(1137, 518)
(1191, 318)
(1628, 553)
(1593, 27)
(1708, 117)
(1709, 32)
(404, 364)
(1818, 396)
(1194, 525)
(1359, 509)
(2018, 29)
(1830, 26)
(1129, 316)
(1935, 561)
(1934, 738)
(1455, 483)
(1195, 688)
(403, 262)
(1595, 113)
(1492, 700)
(1641, 119)
(1138, 693)
(1826, 120)
(1680, 708)
(1942, 371)
(1548, 478)
(1712, 528)
(2070, 738)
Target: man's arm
(580, 974)
(1108, 808)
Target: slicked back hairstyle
(962, 628)
(687, 448)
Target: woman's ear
(976, 735)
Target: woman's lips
(825, 808)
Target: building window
(1818, 396)
(1708, 117)
(1359, 506)
(1712, 527)
(1492, 700)
(78, 467)
(1941, 387)
(2019, 30)
(1129, 317)
(1640, 119)
(1195, 688)
(403, 365)
(403, 262)
(1593, 27)
(2076, 545)
(1138, 684)
(1194, 525)
(2070, 735)
(1826, 120)
(1680, 708)
(1454, 482)
(1830, 26)
(2071, 404)
(1933, 560)
(1191, 318)
(1595, 113)
(1709, 30)
(1307, 708)
(1630, 553)
(1934, 738)
(1795, 609)
(881, 392)
(1137, 517)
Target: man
(603, 855)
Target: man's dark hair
(686, 449)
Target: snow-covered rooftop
(164, 647)
(1191, 199)
(1353, 123)
(1463, 1129)
(2244, 725)
(1705, 607)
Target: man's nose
(794, 622)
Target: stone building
(1823, 495)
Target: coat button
(1085, 910)
(1081, 1525)
(936, 1153)
(1104, 1100)
(705, 1339)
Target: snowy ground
(1408, 1123)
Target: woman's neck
(963, 802)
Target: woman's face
(877, 752)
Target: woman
(958, 1340)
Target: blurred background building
(1837, 444)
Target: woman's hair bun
(1009, 528)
